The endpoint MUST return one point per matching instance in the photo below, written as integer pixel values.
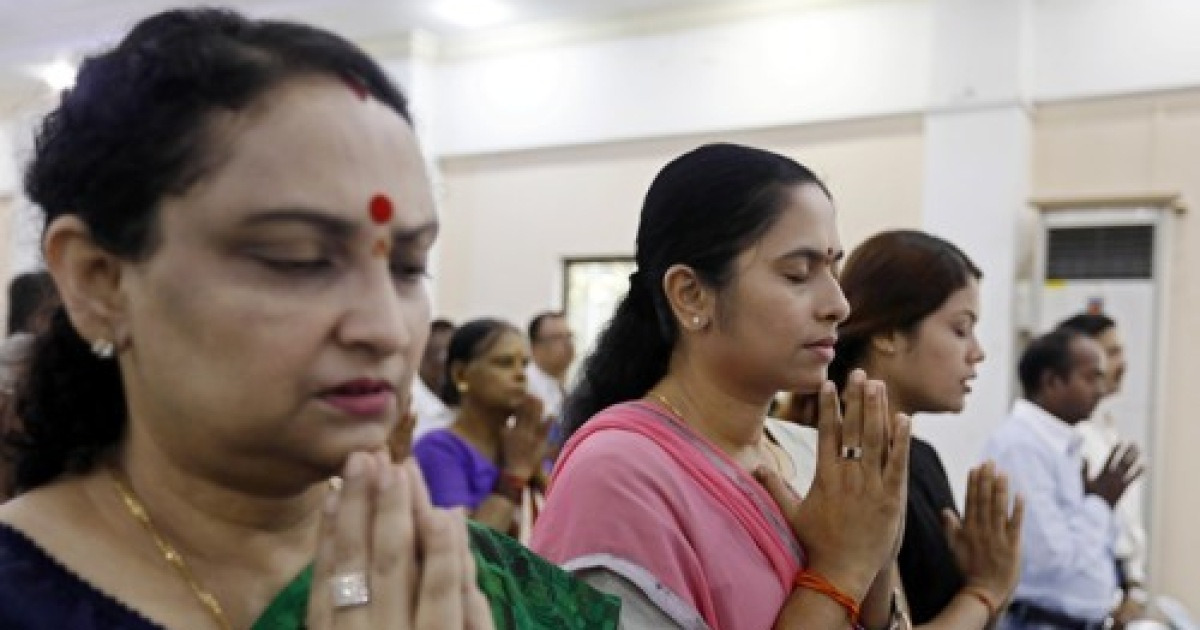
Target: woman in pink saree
(667, 494)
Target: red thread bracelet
(817, 583)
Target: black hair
(469, 342)
(535, 324)
(1049, 353)
(893, 281)
(134, 130)
(703, 209)
(1090, 324)
(30, 297)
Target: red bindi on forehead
(381, 209)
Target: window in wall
(593, 288)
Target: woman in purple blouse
(488, 459)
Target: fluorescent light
(472, 13)
(59, 75)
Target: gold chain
(173, 557)
(663, 399)
(778, 463)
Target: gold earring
(462, 387)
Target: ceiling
(35, 33)
(39, 31)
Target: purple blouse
(456, 473)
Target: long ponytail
(632, 354)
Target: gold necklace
(778, 464)
(663, 399)
(173, 557)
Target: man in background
(1100, 437)
(553, 348)
(1068, 567)
(427, 403)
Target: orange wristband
(984, 598)
(817, 583)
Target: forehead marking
(381, 209)
(382, 247)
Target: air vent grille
(1123, 252)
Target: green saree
(525, 591)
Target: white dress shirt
(800, 443)
(547, 389)
(1067, 561)
(431, 412)
(1099, 437)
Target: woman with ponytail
(667, 493)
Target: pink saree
(638, 493)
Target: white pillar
(978, 167)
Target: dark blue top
(38, 593)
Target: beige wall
(508, 220)
(1133, 146)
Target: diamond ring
(350, 589)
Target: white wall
(1089, 48)
(508, 220)
(860, 59)
(820, 64)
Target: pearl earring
(102, 348)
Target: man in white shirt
(1100, 436)
(553, 348)
(427, 403)
(1068, 569)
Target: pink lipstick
(824, 348)
(362, 398)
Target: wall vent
(1124, 252)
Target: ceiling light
(59, 75)
(472, 13)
